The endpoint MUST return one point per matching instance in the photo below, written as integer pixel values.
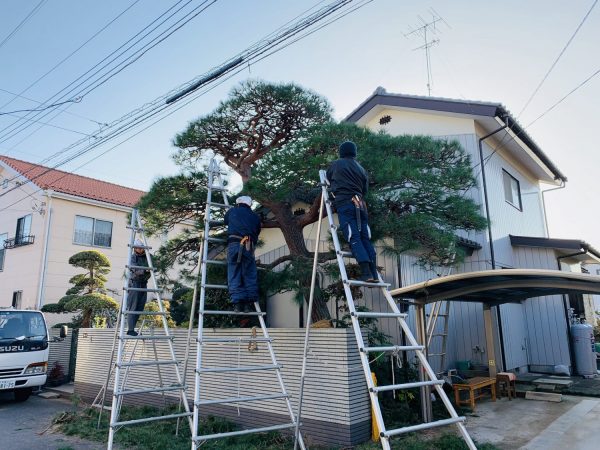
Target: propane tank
(584, 349)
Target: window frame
(23, 220)
(2, 250)
(511, 178)
(92, 244)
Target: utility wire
(23, 22)
(42, 108)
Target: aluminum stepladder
(126, 358)
(215, 183)
(364, 350)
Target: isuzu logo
(11, 348)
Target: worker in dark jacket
(243, 228)
(138, 278)
(349, 185)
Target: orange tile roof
(69, 183)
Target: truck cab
(23, 351)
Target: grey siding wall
(336, 405)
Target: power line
(557, 59)
(23, 22)
(44, 108)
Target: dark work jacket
(139, 275)
(347, 179)
(241, 221)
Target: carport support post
(489, 340)
(426, 411)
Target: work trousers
(136, 301)
(360, 241)
(242, 276)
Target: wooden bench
(475, 386)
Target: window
(89, 231)
(512, 190)
(16, 300)
(23, 230)
(3, 238)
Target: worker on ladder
(136, 300)
(349, 185)
(243, 228)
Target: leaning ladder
(215, 183)
(439, 311)
(126, 358)
(364, 351)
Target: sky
(490, 51)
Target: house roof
(70, 183)
(574, 249)
(457, 107)
(494, 287)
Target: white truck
(23, 351)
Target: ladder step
(366, 284)
(233, 339)
(145, 313)
(360, 314)
(398, 387)
(145, 247)
(439, 315)
(214, 286)
(218, 205)
(217, 188)
(238, 369)
(231, 313)
(393, 348)
(242, 432)
(147, 363)
(219, 240)
(439, 334)
(344, 254)
(149, 419)
(422, 426)
(215, 261)
(216, 223)
(177, 387)
(147, 338)
(129, 227)
(141, 289)
(435, 354)
(241, 399)
(140, 267)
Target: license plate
(7, 384)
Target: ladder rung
(439, 315)
(147, 338)
(435, 354)
(215, 261)
(422, 426)
(219, 240)
(142, 289)
(218, 205)
(140, 267)
(178, 387)
(145, 247)
(242, 399)
(393, 348)
(214, 286)
(242, 432)
(231, 313)
(238, 369)
(345, 254)
(217, 188)
(145, 313)
(366, 284)
(149, 419)
(216, 223)
(439, 334)
(129, 227)
(234, 339)
(360, 314)
(147, 363)
(398, 387)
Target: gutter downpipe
(487, 215)
(40, 296)
(562, 186)
(566, 308)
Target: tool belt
(245, 242)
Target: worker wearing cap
(349, 183)
(243, 228)
(138, 278)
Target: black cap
(348, 150)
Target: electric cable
(15, 30)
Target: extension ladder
(215, 184)
(127, 346)
(364, 350)
(439, 311)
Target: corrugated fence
(60, 350)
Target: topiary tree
(88, 294)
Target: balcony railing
(19, 241)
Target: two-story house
(46, 216)
(512, 173)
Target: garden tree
(277, 137)
(88, 294)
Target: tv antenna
(426, 30)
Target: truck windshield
(22, 324)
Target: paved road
(22, 423)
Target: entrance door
(514, 331)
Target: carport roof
(495, 287)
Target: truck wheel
(22, 394)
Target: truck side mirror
(64, 331)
